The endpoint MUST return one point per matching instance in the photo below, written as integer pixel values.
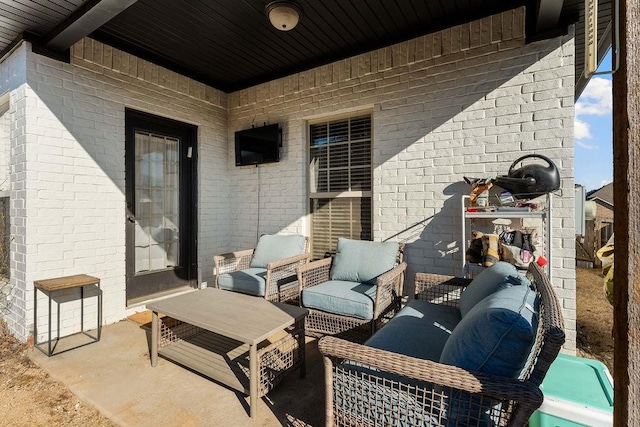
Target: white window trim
(343, 194)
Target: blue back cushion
(275, 247)
(500, 275)
(363, 261)
(495, 337)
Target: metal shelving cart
(495, 212)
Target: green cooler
(577, 392)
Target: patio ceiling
(230, 44)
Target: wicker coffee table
(244, 342)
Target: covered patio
(438, 93)
(115, 376)
(449, 88)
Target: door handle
(131, 219)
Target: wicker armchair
(275, 280)
(385, 291)
(370, 386)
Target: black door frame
(186, 274)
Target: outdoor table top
(245, 318)
(65, 282)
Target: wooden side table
(50, 286)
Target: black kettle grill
(531, 180)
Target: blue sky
(594, 131)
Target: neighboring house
(603, 198)
(599, 229)
(415, 117)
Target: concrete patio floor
(115, 376)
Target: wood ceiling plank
(231, 42)
(260, 41)
(26, 16)
(423, 13)
(391, 11)
(325, 24)
(204, 50)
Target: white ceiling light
(284, 15)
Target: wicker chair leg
(328, 383)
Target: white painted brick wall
(68, 178)
(5, 144)
(465, 101)
(13, 78)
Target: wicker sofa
(423, 369)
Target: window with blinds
(340, 182)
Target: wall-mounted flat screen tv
(258, 145)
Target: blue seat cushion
(498, 276)
(495, 337)
(420, 330)
(275, 247)
(342, 298)
(249, 281)
(363, 261)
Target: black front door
(160, 158)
